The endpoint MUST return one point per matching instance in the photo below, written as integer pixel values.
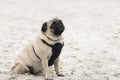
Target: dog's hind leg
(20, 68)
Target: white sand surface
(92, 36)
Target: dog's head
(53, 27)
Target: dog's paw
(61, 75)
(48, 77)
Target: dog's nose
(61, 28)
(60, 23)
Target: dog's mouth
(57, 27)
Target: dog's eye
(60, 22)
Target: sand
(92, 36)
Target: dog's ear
(44, 27)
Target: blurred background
(92, 36)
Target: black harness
(56, 49)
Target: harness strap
(56, 49)
(47, 43)
(35, 52)
(44, 43)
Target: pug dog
(43, 51)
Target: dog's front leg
(46, 69)
(56, 66)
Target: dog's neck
(51, 39)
